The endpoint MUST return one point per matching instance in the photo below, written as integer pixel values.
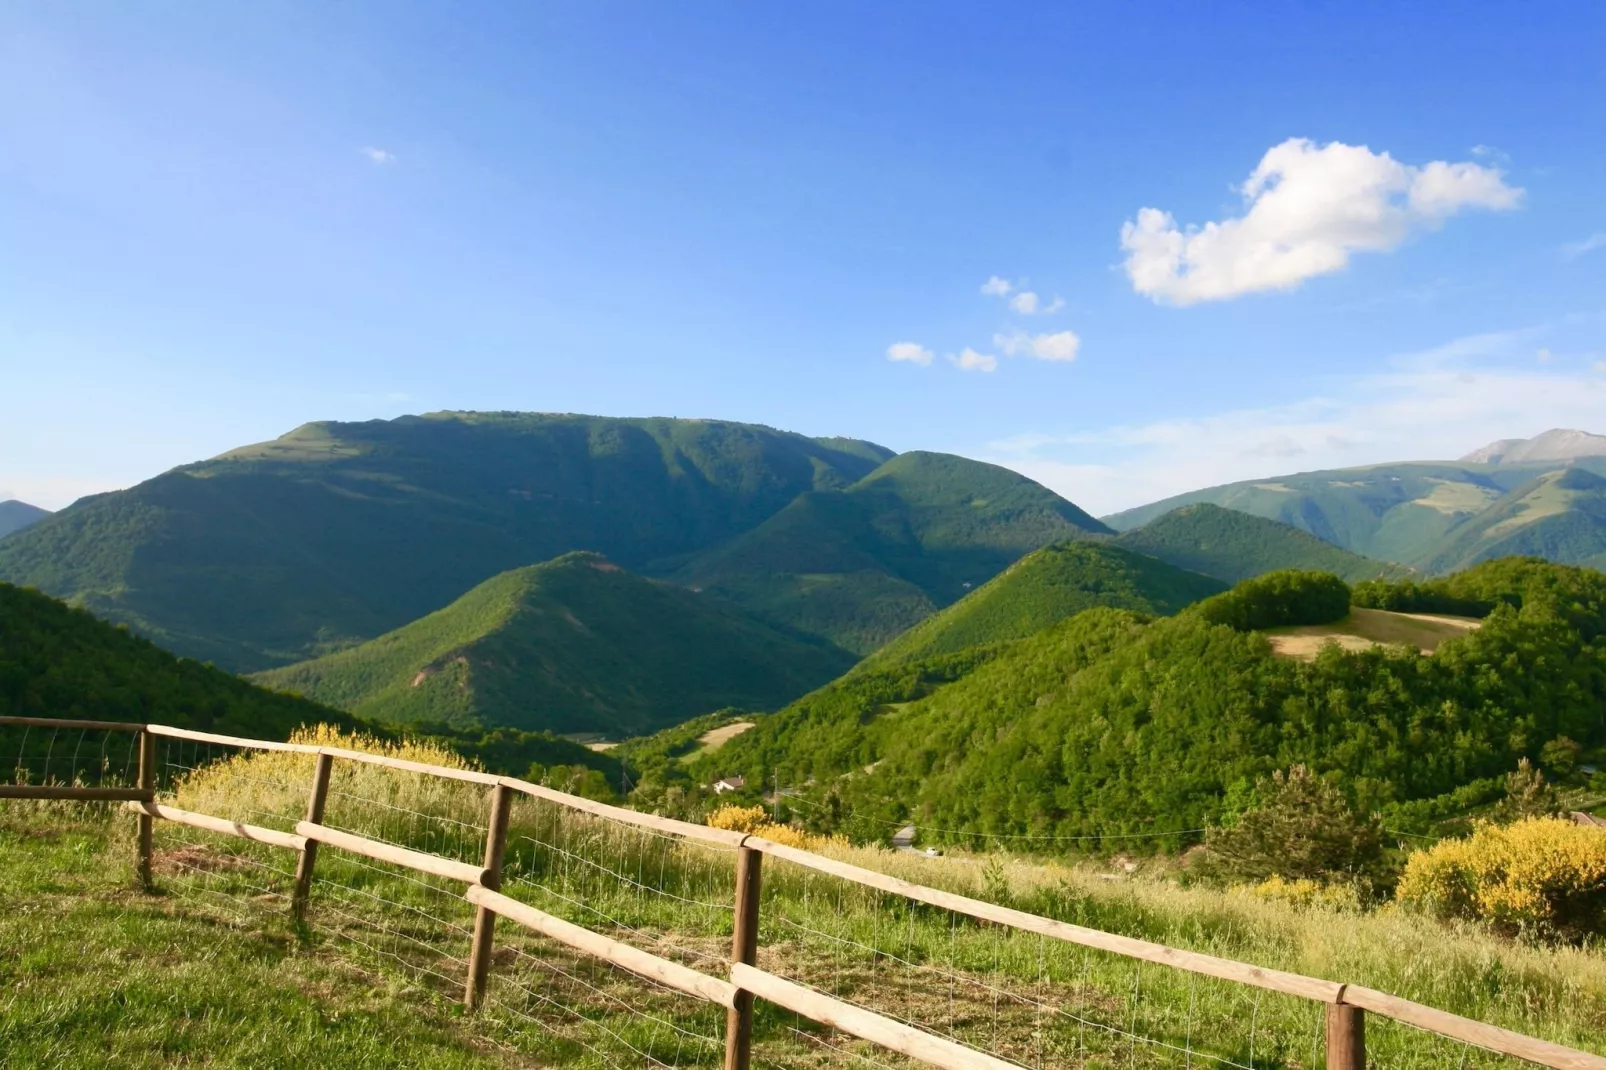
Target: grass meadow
(211, 971)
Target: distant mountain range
(1557, 444)
(1233, 546)
(573, 645)
(1436, 516)
(589, 574)
(15, 515)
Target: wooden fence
(1346, 1005)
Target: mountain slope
(56, 661)
(338, 532)
(572, 645)
(1561, 516)
(1045, 587)
(1389, 512)
(15, 515)
(862, 564)
(1232, 546)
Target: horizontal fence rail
(1346, 1004)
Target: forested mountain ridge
(576, 644)
(60, 662)
(1112, 723)
(1045, 587)
(338, 532)
(862, 564)
(1232, 545)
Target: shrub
(1303, 829)
(755, 821)
(1542, 876)
(1279, 599)
(1305, 893)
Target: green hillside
(1561, 516)
(56, 661)
(862, 564)
(576, 644)
(1110, 723)
(1232, 545)
(1390, 512)
(338, 532)
(1045, 587)
(15, 515)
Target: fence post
(147, 782)
(1346, 1037)
(309, 854)
(479, 959)
(744, 949)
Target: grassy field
(95, 974)
(1366, 628)
(210, 971)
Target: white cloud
(1588, 245)
(1028, 303)
(996, 287)
(1307, 208)
(1545, 356)
(913, 352)
(1427, 406)
(1060, 346)
(382, 157)
(971, 361)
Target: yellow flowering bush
(755, 821)
(1540, 875)
(1304, 892)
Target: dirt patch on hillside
(1366, 628)
(715, 738)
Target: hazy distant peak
(15, 515)
(1557, 444)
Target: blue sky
(220, 221)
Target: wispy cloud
(1307, 209)
(909, 352)
(971, 361)
(1028, 303)
(381, 157)
(1574, 250)
(1061, 346)
(997, 287)
(1438, 404)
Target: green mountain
(862, 564)
(338, 532)
(1560, 516)
(1110, 723)
(576, 644)
(1045, 587)
(1405, 513)
(15, 515)
(1232, 546)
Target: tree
(1527, 795)
(1302, 829)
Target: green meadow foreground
(210, 970)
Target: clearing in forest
(715, 738)
(1366, 628)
